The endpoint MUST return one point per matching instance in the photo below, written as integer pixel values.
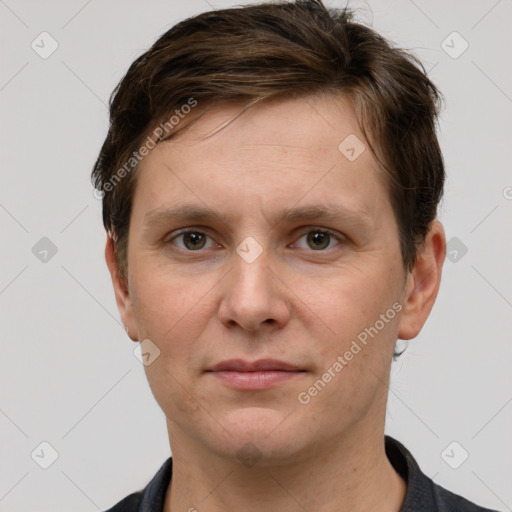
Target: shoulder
(152, 497)
(448, 501)
(129, 504)
(423, 494)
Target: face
(295, 258)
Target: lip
(255, 375)
(239, 365)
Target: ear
(123, 298)
(423, 283)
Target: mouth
(255, 375)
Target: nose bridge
(251, 294)
(251, 271)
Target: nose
(253, 295)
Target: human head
(286, 49)
(245, 161)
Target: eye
(319, 239)
(192, 240)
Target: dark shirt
(422, 495)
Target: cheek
(164, 301)
(172, 391)
(358, 301)
(365, 323)
(171, 313)
(362, 340)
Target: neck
(351, 473)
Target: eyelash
(334, 235)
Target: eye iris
(318, 237)
(194, 238)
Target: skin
(300, 301)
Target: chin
(257, 435)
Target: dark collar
(423, 494)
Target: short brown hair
(275, 49)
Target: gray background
(68, 375)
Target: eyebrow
(187, 212)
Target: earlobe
(122, 294)
(423, 283)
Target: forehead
(287, 149)
(309, 125)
